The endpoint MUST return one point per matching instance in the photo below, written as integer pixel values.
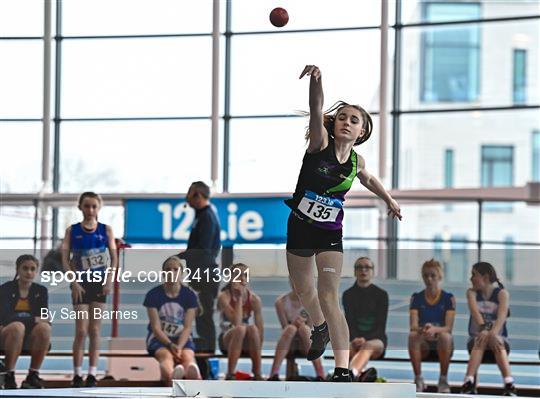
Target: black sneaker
(369, 375)
(32, 381)
(345, 376)
(469, 388)
(509, 389)
(274, 377)
(9, 382)
(77, 381)
(91, 381)
(230, 377)
(319, 340)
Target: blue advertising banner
(243, 220)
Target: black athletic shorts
(489, 356)
(306, 240)
(433, 353)
(93, 293)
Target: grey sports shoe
(443, 386)
(420, 384)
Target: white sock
(509, 380)
(77, 371)
(92, 370)
(354, 372)
(469, 378)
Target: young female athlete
(21, 326)
(242, 326)
(431, 320)
(488, 335)
(294, 337)
(88, 242)
(172, 307)
(314, 229)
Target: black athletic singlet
(321, 188)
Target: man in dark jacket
(202, 249)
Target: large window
(110, 78)
(450, 57)
(519, 93)
(497, 166)
(134, 156)
(425, 137)
(497, 171)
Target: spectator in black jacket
(202, 249)
(366, 310)
(21, 326)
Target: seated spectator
(237, 304)
(171, 308)
(489, 307)
(366, 311)
(295, 335)
(21, 326)
(432, 313)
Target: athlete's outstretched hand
(393, 209)
(311, 70)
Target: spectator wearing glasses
(366, 311)
(432, 313)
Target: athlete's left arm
(113, 254)
(257, 310)
(502, 311)
(449, 318)
(189, 316)
(374, 185)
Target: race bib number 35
(319, 207)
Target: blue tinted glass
(450, 56)
(497, 171)
(536, 156)
(439, 12)
(520, 76)
(449, 168)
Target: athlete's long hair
(484, 268)
(21, 259)
(330, 115)
(227, 286)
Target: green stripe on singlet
(347, 182)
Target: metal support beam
(227, 101)
(214, 156)
(46, 147)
